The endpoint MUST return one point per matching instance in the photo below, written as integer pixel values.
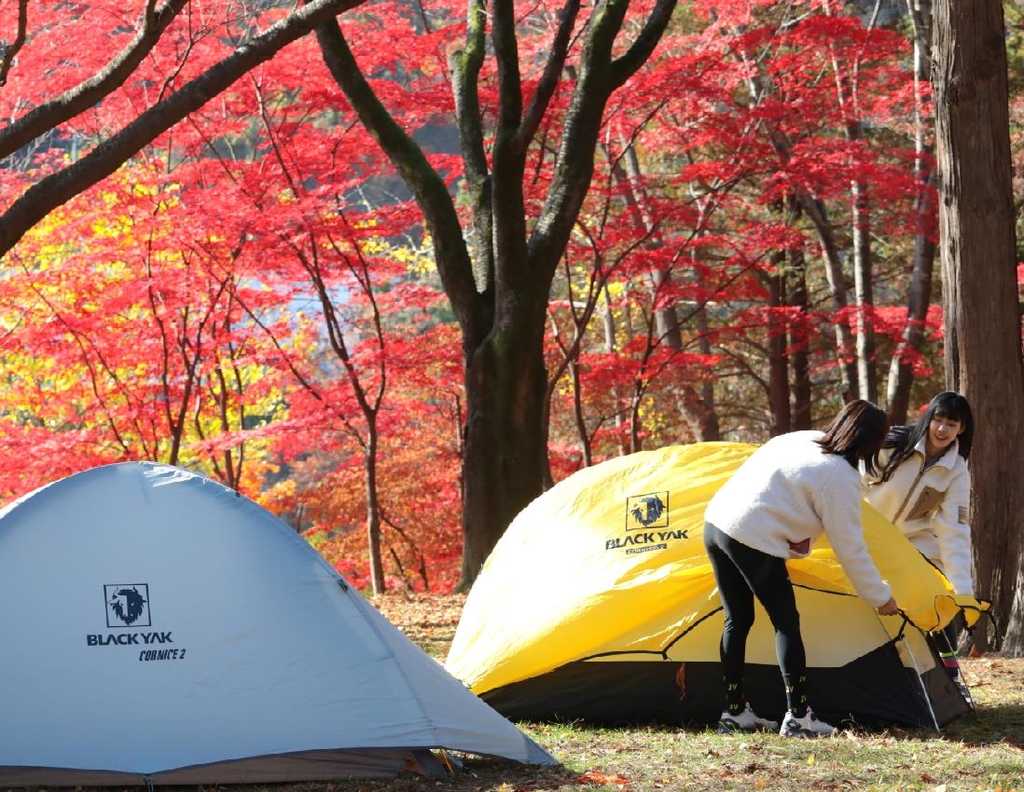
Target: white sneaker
(745, 721)
(807, 726)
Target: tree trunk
(696, 405)
(978, 253)
(867, 376)
(699, 401)
(778, 360)
(505, 449)
(901, 370)
(499, 293)
(846, 95)
(796, 290)
(845, 344)
(816, 212)
(702, 413)
(611, 346)
(372, 496)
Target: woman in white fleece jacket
(924, 487)
(784, 496)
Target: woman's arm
(839, 508)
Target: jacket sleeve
(840, 511)
(953, 531)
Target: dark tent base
(873, 691)
(279, 769)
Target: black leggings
(742, 573)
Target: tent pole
(949, 654)
(917, 669)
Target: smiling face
(942, 432)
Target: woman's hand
(888, 609)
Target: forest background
(228, 247)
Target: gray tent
(157, 627)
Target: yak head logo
(127, 604)
(647, 509)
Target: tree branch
(10, 51)
(429, 189)
(641, 49)
(552, 70)
(49, 115)
(55, 190)
(598, 78)
(465, 65)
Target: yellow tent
(599, 603)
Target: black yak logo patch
(127, 605)
(647, 511)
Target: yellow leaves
(138, 188)
(317, 540)
(414, 260)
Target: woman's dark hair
(903, 439)
(856, 434)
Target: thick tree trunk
(499, 294)
(505, 449)
(978, 251)
(703, 414)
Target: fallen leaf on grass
(597, 777)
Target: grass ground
(980, 751)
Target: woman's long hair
(903, 439)
(856, 434)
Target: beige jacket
(931, 506)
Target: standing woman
(924, 488)
(784, 496)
